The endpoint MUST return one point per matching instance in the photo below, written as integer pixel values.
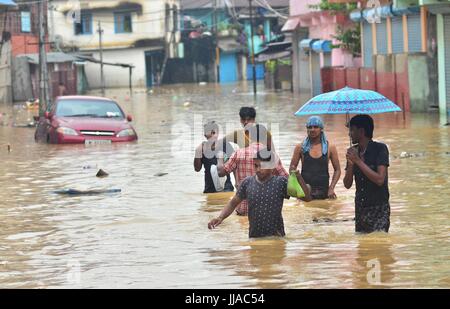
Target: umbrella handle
(347, 120)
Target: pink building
(311, 23)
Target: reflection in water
(374, 261)
(153, 234)
(259, 261)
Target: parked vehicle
(85, 119)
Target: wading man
(265, 194)
(315, 154)
(247, 117)
(206, 156)
(241, 162)
(368, 163)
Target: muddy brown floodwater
(154, 233)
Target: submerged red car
(85, 119)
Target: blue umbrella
(348, 101)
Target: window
(25, 21)
(85, 25)
(122, 22)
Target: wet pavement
(154, 232)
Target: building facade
(143, 34)
(312, 24)
(225, 28)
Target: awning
(276, 47)
(291, 24)
(273, 56)
(56, 57)
(321, 46)
(4, 3)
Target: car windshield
(88, 108)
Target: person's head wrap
(315, 121)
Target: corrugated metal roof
(7, 3)
(274, 56)
(51, 58)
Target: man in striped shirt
(241, 162)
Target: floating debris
(329, 220)
(322, 220)
(101, 174)
(9, 148)
(87, 167)
(186, 104)
(30, 124)
(160, 174)
(405, 155)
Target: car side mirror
(48, 115)
(129, 118)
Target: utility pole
(100, 43)
(44, 92)
(252, 46)
(217, 50)
(52, 23)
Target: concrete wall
(405, 79)
(118, 76)
(5, 73)
(21, 78)
(339, 77)
(385, 76)
(402, 81)
(367, 81)
(353, 77)
(420, 81)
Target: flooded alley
(153, 234)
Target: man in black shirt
(368, 163)
(265, 194)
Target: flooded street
(154, 233)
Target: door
(382, 37)
(367, 42)
(149, 69)
(447, 57)
(315, 74)
(228, 68)
(397, 35)
(260, 72)
(414, 34)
